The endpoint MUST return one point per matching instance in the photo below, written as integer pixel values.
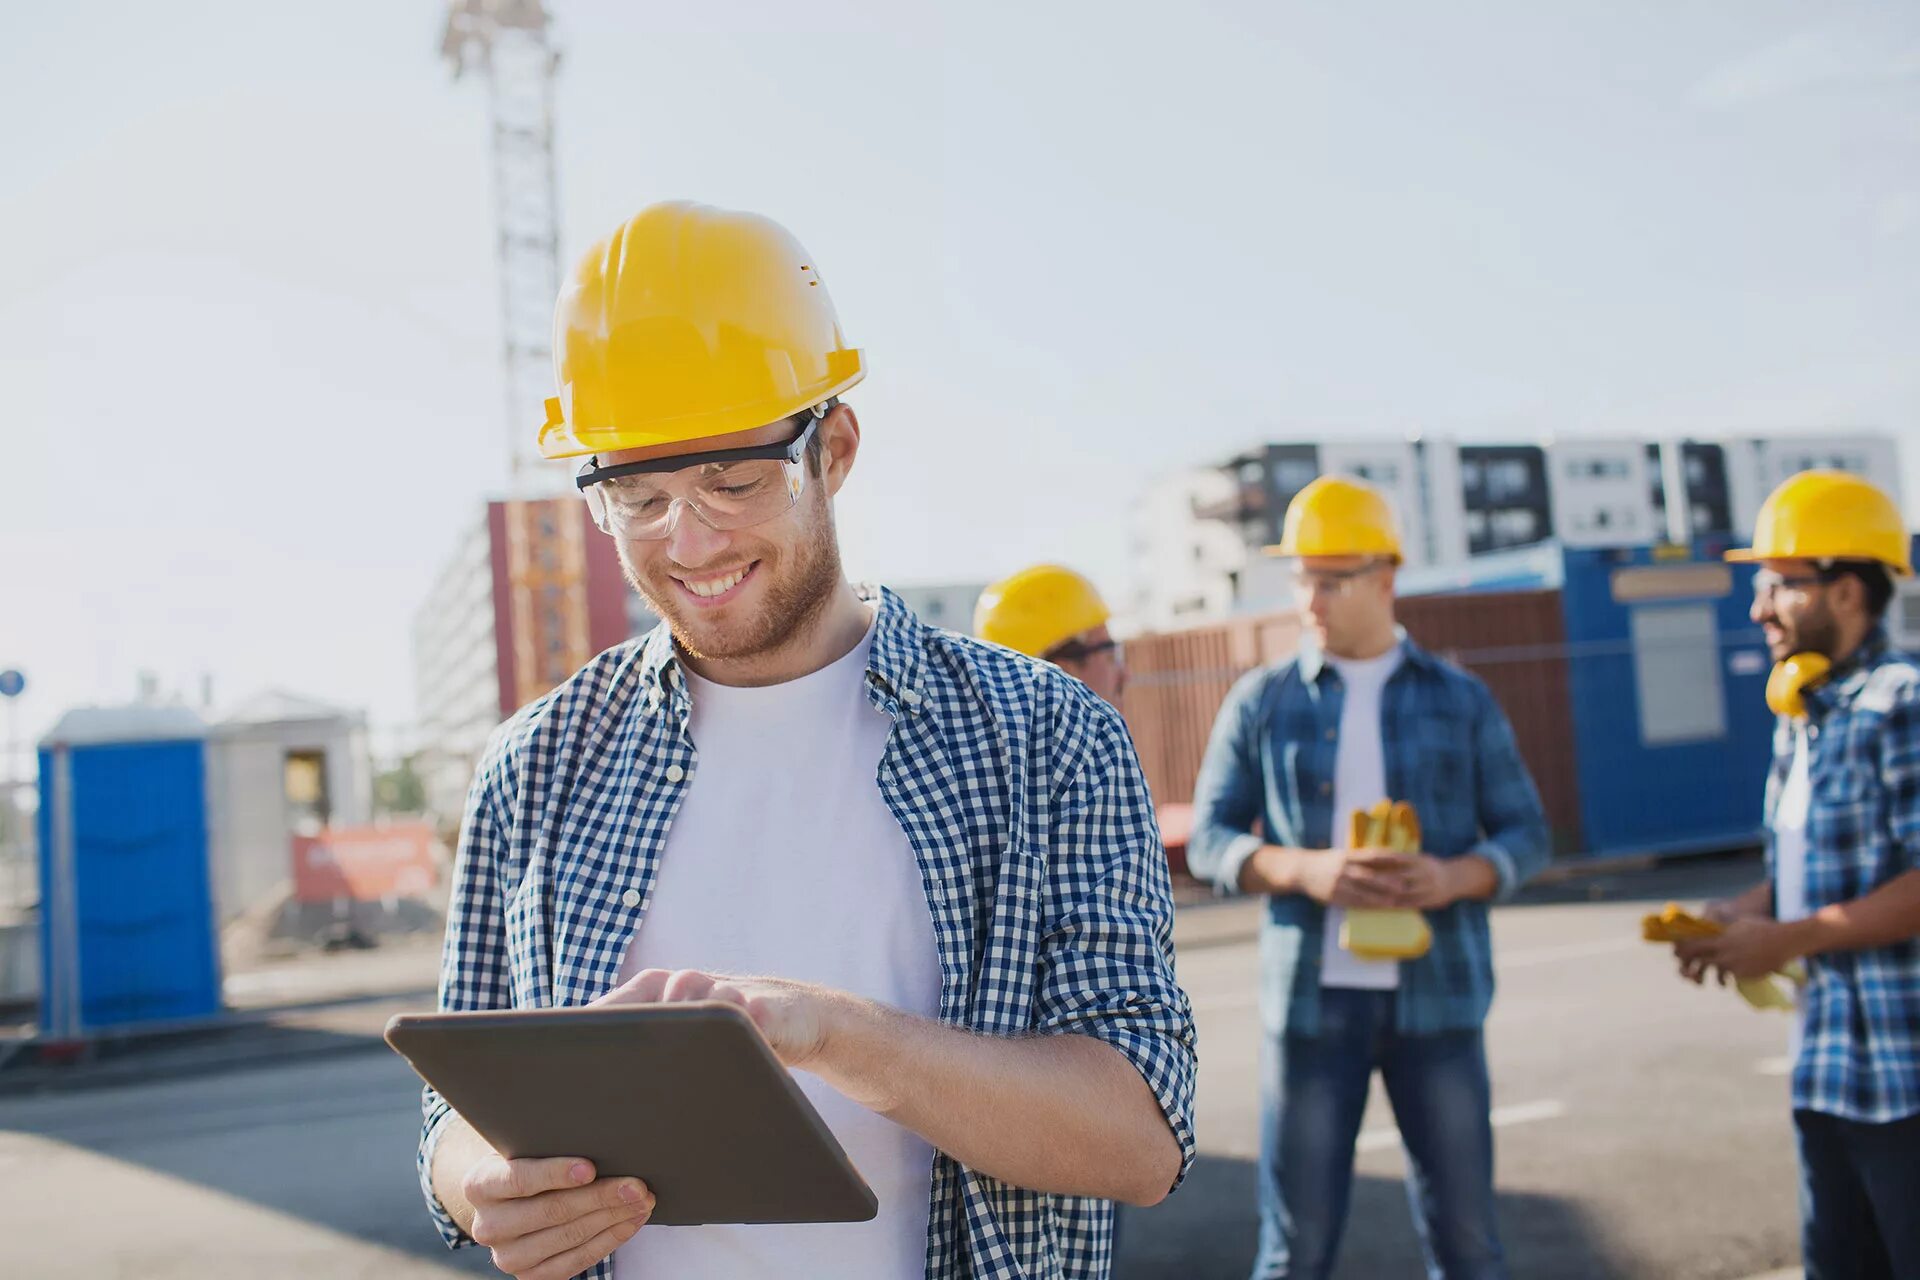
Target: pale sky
(249, 317)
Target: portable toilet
(126, 920)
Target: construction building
(532, 592)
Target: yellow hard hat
(690, 322)
(1038, 608)
(1335, 516)
(1829, 515)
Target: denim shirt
(1859, 1053)
(1449, 752)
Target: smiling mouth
(715, 588)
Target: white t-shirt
(1790, 834)
(1359, 782)
(784, 860)
(1790, 849)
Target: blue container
(1667, 677)
(126, 923)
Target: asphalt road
(1643, 1133)
(1642, 1125)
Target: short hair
(1874, 579)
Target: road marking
(1773, 1067)
(1525, 958)
(1385, 1139)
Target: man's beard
(1814, 632)
(793, 604)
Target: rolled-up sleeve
(1106, 959)
(1227, 797)
(1899, 767)
(1512, 821)
(473, 960)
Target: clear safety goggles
(726, 488)
(1767, 584)
(1336, 583)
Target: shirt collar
(1313, 661)
(1850, 676)
(892, 665)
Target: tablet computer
(687, 1097)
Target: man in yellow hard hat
(1363, 715)
(1842, 893)
(1056, 615)
(941, 854)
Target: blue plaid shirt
(1022, 798)
(1859, 1053)
(1449, 752)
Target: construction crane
(511, 42)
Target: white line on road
(1502, 1118)
(1525, 958)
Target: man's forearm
(1888, 915)
(1273, 868)
(1063, 1114)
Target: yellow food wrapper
(1673, 923)
(1400, 934)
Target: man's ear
(839, 434)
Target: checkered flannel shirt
(1024, 802)
(1859, 1053)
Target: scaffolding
(510, 42)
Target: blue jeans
(1313, 1091)
(1859, 1197)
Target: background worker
(940, 855)
(1056, 615)
(1842, 892)
(1363, 714)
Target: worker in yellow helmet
(792, 776)
(1842, 894)
(1376, 952)
(1056, 615)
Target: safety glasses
(726, 488)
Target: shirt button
(911, 698)
(1333, 735)
(675, 773)
(1326, 788)
(631, 898)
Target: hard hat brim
(1755, 555)
(559, 439)
(1281, 551)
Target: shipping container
(1632, 677)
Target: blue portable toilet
(126, 917)
(1668, 684)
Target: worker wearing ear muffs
(1843, 861)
